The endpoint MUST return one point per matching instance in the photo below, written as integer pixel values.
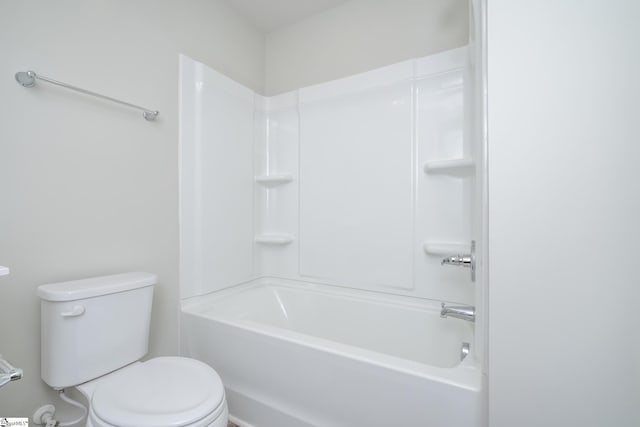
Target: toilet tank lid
(95, 286)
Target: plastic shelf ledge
(455, 166)
(273, 180)
(274, 239)
(445, 248)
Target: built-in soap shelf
(441, 248)
(4, 271)
(273, 180)
(276, 239)
(451, 167)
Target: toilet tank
(93, 326)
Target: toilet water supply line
(8, 372)
(44, 415)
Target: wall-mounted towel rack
(28, 79)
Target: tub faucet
(464, 312)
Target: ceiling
(268, 15)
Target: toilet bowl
(164, 391)
(94, 333)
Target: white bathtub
(294, 354)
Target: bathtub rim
(466, 375)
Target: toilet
(94, 333)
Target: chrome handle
(467, 260)
(463, 260)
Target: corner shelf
(275, 239)
(441, 248)
(4, 271)
(273, 180)
(451, 167)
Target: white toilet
(94, 331)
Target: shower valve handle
(463, 260)
(467, 260)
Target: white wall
(87, 187)
(564, 209)
(361, 35)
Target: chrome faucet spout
(464, 312)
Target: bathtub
(295, 354)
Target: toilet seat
(165, 391)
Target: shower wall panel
(277, 186)
(364, 182)
(216, 185)
(356, 181)
(444, 197)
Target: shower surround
(313, 224)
